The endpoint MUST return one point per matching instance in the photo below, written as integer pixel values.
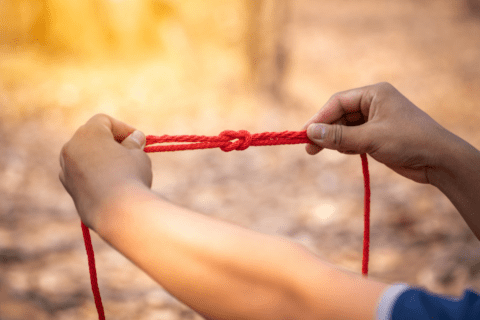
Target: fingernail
(316, 131)
(139, 138)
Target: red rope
(366, 214)
(241, 140)
(93, 272)
(224, 140)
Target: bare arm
(221, 270)
(457, 175)
(224, 271)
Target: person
(224, 271)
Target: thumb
(345, 139)
(136, 140)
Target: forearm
(458, 177)
(224, 271)
(221, 270)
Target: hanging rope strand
(241, 140)
(366, 215)
(93, 272)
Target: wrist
(458, 178)
(116, 205)
(451, 161)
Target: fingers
(350, 140)
(136, 140)
(355, 101)
(110, 126)
(342, 110)
(98, 130)
(121, 132)
(313, 149)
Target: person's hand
(380, 121)
(103, 157)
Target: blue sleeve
(401, 302)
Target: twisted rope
(241, 140)
(93, 272)
(228, 141)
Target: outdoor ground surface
(429, 50)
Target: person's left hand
(103, 157)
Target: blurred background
(199, 67)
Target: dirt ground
(429, 50)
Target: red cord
(366, 214)
(224, 140)
(93, 272)
(242, 140)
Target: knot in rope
(244, 140)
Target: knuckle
(66, 156)
(336, 97)
(385, 86)
(65, 150)
(337, 135)
(81, 133)
(100, 116)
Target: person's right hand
(380, 121)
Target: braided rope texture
(93, 272)
(241, 140)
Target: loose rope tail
(242, 140)
(93, 272)
(366, 215)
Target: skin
(380, 121)
(224, 271)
